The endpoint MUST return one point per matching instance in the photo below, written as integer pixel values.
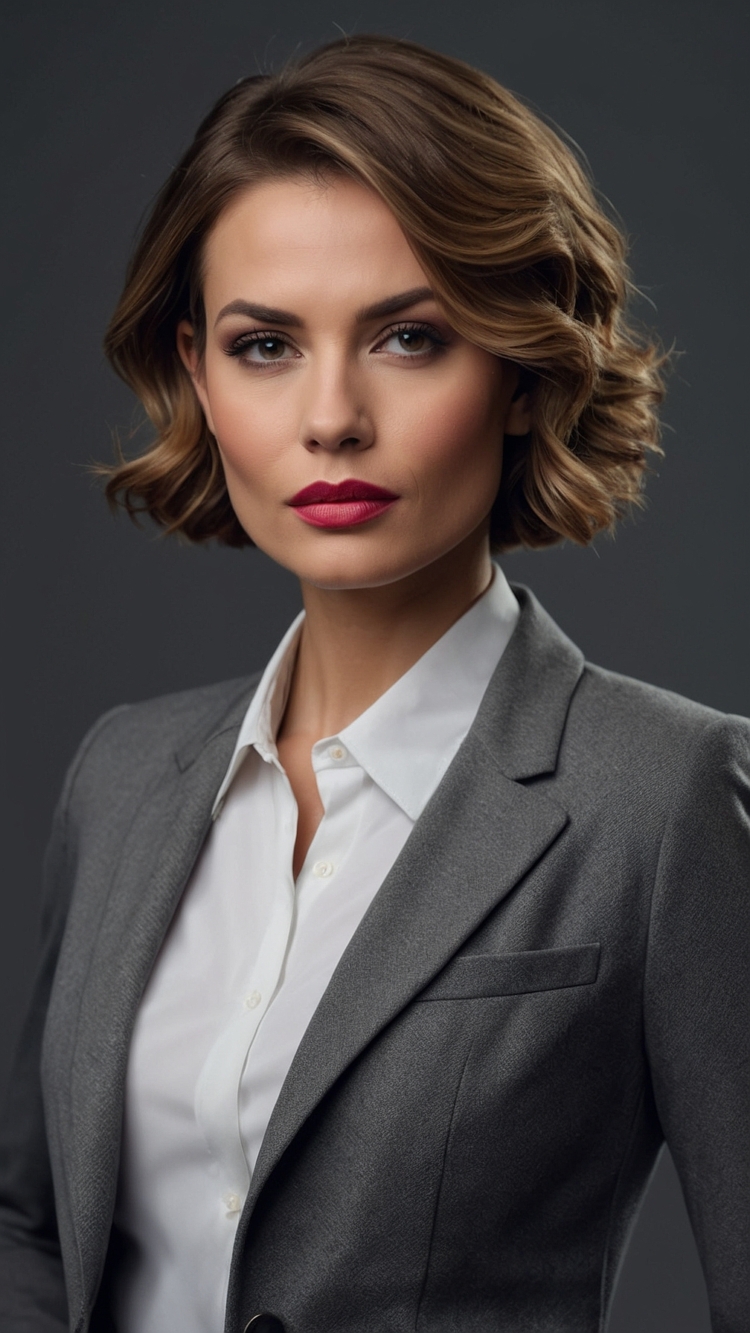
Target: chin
(338, 573)
(342, 562)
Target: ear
(193, 363)
(518, 419)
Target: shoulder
(633, 727)
(131, 745)
(618, 703)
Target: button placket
(339, 783)
(221, 1074)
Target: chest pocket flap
(474, 976)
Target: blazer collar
(522, 716)
(224, 728)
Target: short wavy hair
(507, 226)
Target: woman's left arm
(697, 1007)
(32, 1286)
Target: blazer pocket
(475, 976)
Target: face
(361, 436)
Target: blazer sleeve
(32, 1285)
(697, 1007)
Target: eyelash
(247, 340)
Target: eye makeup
(273, 341)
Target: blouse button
(253, 1000)
(336, 752)
(322, 869)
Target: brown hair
(504, 221)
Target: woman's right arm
(32, 1285)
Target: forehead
(298, 238)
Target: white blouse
(250, 953)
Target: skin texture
(334, 391)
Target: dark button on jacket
(264, 1323)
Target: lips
(325, 492)
(341, 505)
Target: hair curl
(505, 223)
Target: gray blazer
(553, 978)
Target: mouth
(343, 505)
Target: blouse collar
(408, 737)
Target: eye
(411, 341)
(262, 348)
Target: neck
(356, 643)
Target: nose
(334, 413)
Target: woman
(373, 986)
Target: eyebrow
(266, 314)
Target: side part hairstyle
(506, 225)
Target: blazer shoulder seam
(76, 765)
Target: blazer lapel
(162, 846)
(477, 837)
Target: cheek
(248, 432)
(458, 441)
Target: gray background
(99, 100)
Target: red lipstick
(342, 505)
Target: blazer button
(264, 1323)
